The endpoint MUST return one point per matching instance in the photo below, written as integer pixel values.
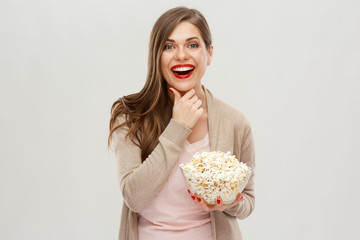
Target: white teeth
(182, 69)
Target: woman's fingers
(177, 95)
(198, 103)
(193, 99)
(189, 94)
(218, 207)
(202, 204)
(186, 109)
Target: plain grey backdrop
(293, 67)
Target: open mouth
(182, 71)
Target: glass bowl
(224, 186)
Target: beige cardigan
(229, 130)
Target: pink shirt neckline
(192, 146)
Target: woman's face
(185, 57)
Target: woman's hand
(187, 108)
(219, 206)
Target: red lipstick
(182, 71)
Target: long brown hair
(148, 112)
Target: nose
(181, 54)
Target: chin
(184, 87)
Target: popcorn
(216, 175)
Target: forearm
(140, 182)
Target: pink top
(172, 214)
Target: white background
(293, 67)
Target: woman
(163, 125)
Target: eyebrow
(188, 39)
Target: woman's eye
(168, 47)
(193, 45)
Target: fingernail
(189, 191)
(193, 197)
(170, 90)
(218, 201)
(199, 199)
(242, 197)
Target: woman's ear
(210, 54)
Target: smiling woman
(185, 57)
(164, 125)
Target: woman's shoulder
(227, 111)
(238, 117)
(122, 121)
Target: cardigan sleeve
(141, 181)
(244, 208)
